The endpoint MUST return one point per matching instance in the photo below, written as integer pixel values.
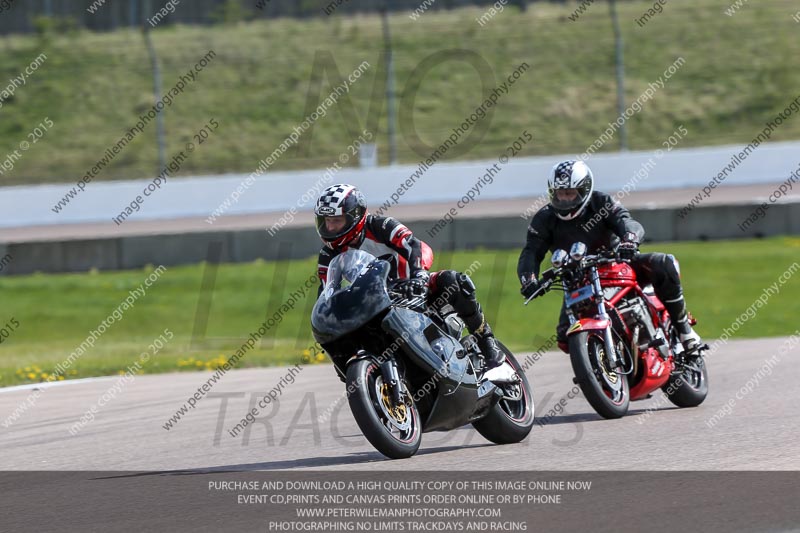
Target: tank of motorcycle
(616, 274)
(348, 309)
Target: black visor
(566, 206)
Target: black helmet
(574, 175)
(338, 200)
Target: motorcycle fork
(613, 357)
(392, 378)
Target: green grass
(56, 312)
(739, 72)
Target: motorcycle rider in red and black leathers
(343, 222)
(577, 212)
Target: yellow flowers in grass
(186, 362)
(35, 374)
(308, 358)
(196, 364)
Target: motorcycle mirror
(578, 251)
(559, 258)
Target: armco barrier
(444, 183)
(706, 223)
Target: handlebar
(541, 290)
(549, 276)
(601, 258)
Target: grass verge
(55, 313)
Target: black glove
(415, 287)
(628, 248)
(529, 285)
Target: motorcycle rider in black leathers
(577, 212)
(343, 222)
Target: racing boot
(462, 298)
(677, 311)
(689, 337)
(492, 354)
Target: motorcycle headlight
(559, 258)
(578, 251)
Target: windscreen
(344, 269)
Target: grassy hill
(739, 72)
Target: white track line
(47, 385)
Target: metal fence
(21, 16)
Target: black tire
(607, 392)
(689, 388)
(509, 421)
(364, 379)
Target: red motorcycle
(622, 344)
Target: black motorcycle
(407, 367)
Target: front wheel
(606, 391)
(395, 431)
(511, 419)
(690, 387)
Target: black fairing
(458, 399)
(419, 331)
(350, 309)
(361, 320)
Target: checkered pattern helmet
(341, 200)
(570, 175)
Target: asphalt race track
(658, 469)
(760, 433)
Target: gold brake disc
(612, 377)
(399, 413)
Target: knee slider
(674, 265)
(466, 285)
(666, 276)
(446, 280)
(669, 266)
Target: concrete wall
(709, 223)
(445, 182)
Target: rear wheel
(606, 391)
(394, 430)
(511, 419)
(690, 387)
